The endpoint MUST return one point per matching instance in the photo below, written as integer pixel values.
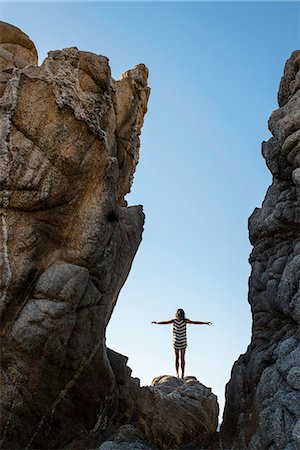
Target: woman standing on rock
(179, 337)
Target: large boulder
(175, 412)
(263, 396)
(69, 148)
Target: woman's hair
(180, 314)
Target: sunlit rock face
(69, 148)
(263, 396)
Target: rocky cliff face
(69, 147)
(263, 396)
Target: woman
(179, 337)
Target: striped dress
(179, 334)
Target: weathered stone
(171, 413)
(127, 438)
(16, 49)
(175, 412)
(69, 148)
(69, 145)
(262, 408)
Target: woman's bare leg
(177, 361)
(182, 358)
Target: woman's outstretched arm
(197, 322)
(163, 322)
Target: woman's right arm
(163, 322)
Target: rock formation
(69, 148)
(175, 412)
(169, 414)
(263, 396)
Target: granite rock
(262, 408)
(127, 438)
(69, 147)
(171, 413)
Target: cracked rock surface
(263, 396)
(69, 137)
(170, 414)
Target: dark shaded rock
(127, 438)
(262, 408)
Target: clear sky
(214, 68)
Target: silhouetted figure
(179, 337)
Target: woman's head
(180, 314)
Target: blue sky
(214, 68)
